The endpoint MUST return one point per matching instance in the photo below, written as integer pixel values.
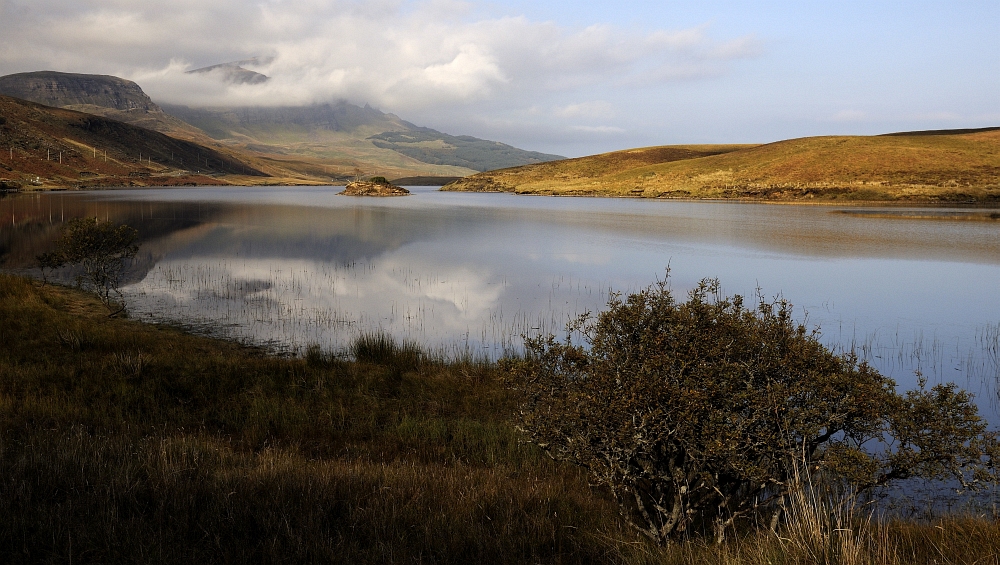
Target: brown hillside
(584, 168)
(964, 167)
(62, 147)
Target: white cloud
(394, 54)
(590, 109)
(599, 129)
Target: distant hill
(62, 147)
(423, 181)
(234, 73)
(318, 141)
(942, 131)
(905, 167)
(334, 130)
(431, 146)
(282, 125)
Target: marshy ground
(127, 442)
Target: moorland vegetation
(128, 442)
(960, 167)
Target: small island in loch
(376, 186)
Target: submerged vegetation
(125, 442)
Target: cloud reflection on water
(291, 267)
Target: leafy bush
(101, 248)
(695, 414)
(379, 180)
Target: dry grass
(127, 443)
(123, 442)
(922, 168)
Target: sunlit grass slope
(127, 443)
(959, 168)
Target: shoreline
(915, 203)
(806, 202)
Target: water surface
(290, 267)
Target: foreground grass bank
(123, 442)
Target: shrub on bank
(699, 416)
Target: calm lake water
(290, 267)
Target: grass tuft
(382, 349)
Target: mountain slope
(101, 95)
(291, 147)
(431, 146)
(325, 139)
(63, 147)
(318, 143)
(909, 167)
(340, 129)
(286, 124)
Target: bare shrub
(101, 249)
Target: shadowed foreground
(123, 442)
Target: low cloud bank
(413, 59)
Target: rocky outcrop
(369, 188)
(68, 89)
(233, 73)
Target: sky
(565, 77)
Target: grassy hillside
(430, 146)
(130, 443)
(32, 137)
(62, 147)
(346, 136)
(101, 95)
(913, 167)
(328, 141)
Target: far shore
(984, 204)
